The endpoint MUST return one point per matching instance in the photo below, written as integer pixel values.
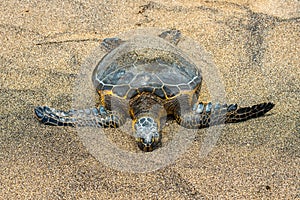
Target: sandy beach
(255, 48)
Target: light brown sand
(255, 45)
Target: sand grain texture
(255, 46)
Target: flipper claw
(102, 110)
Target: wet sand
(255, 47)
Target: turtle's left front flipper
(94, 117)
(209, 115)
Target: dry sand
(254, 44)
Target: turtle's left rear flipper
(245, 113)
(205, 115)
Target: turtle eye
(138, 139)
(156, 135)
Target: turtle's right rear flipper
(94, 117)
(49, 116)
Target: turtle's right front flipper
(208, 115)
(97, 117)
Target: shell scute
(160, 93)
(107, 87)
(171, 90)
(120, 90)
(132, 93)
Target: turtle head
(147, 134)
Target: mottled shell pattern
(146, 64)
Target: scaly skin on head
(147, 133)
(147, 112)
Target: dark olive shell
(128, 72)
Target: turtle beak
(146, 148)
(148, 145)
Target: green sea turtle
(147, 84)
